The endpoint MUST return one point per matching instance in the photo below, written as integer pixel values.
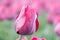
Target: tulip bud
(26, 22)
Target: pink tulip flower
(27, 21)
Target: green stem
(20, 37)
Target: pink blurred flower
(53, 14)
(22, 38)
(49, 5)
(50, 18)
(36, 38)
(57, 29)
(2, 12)
(57, 25)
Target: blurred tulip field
(7, 31)
(30, 19)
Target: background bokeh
(7, 31)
